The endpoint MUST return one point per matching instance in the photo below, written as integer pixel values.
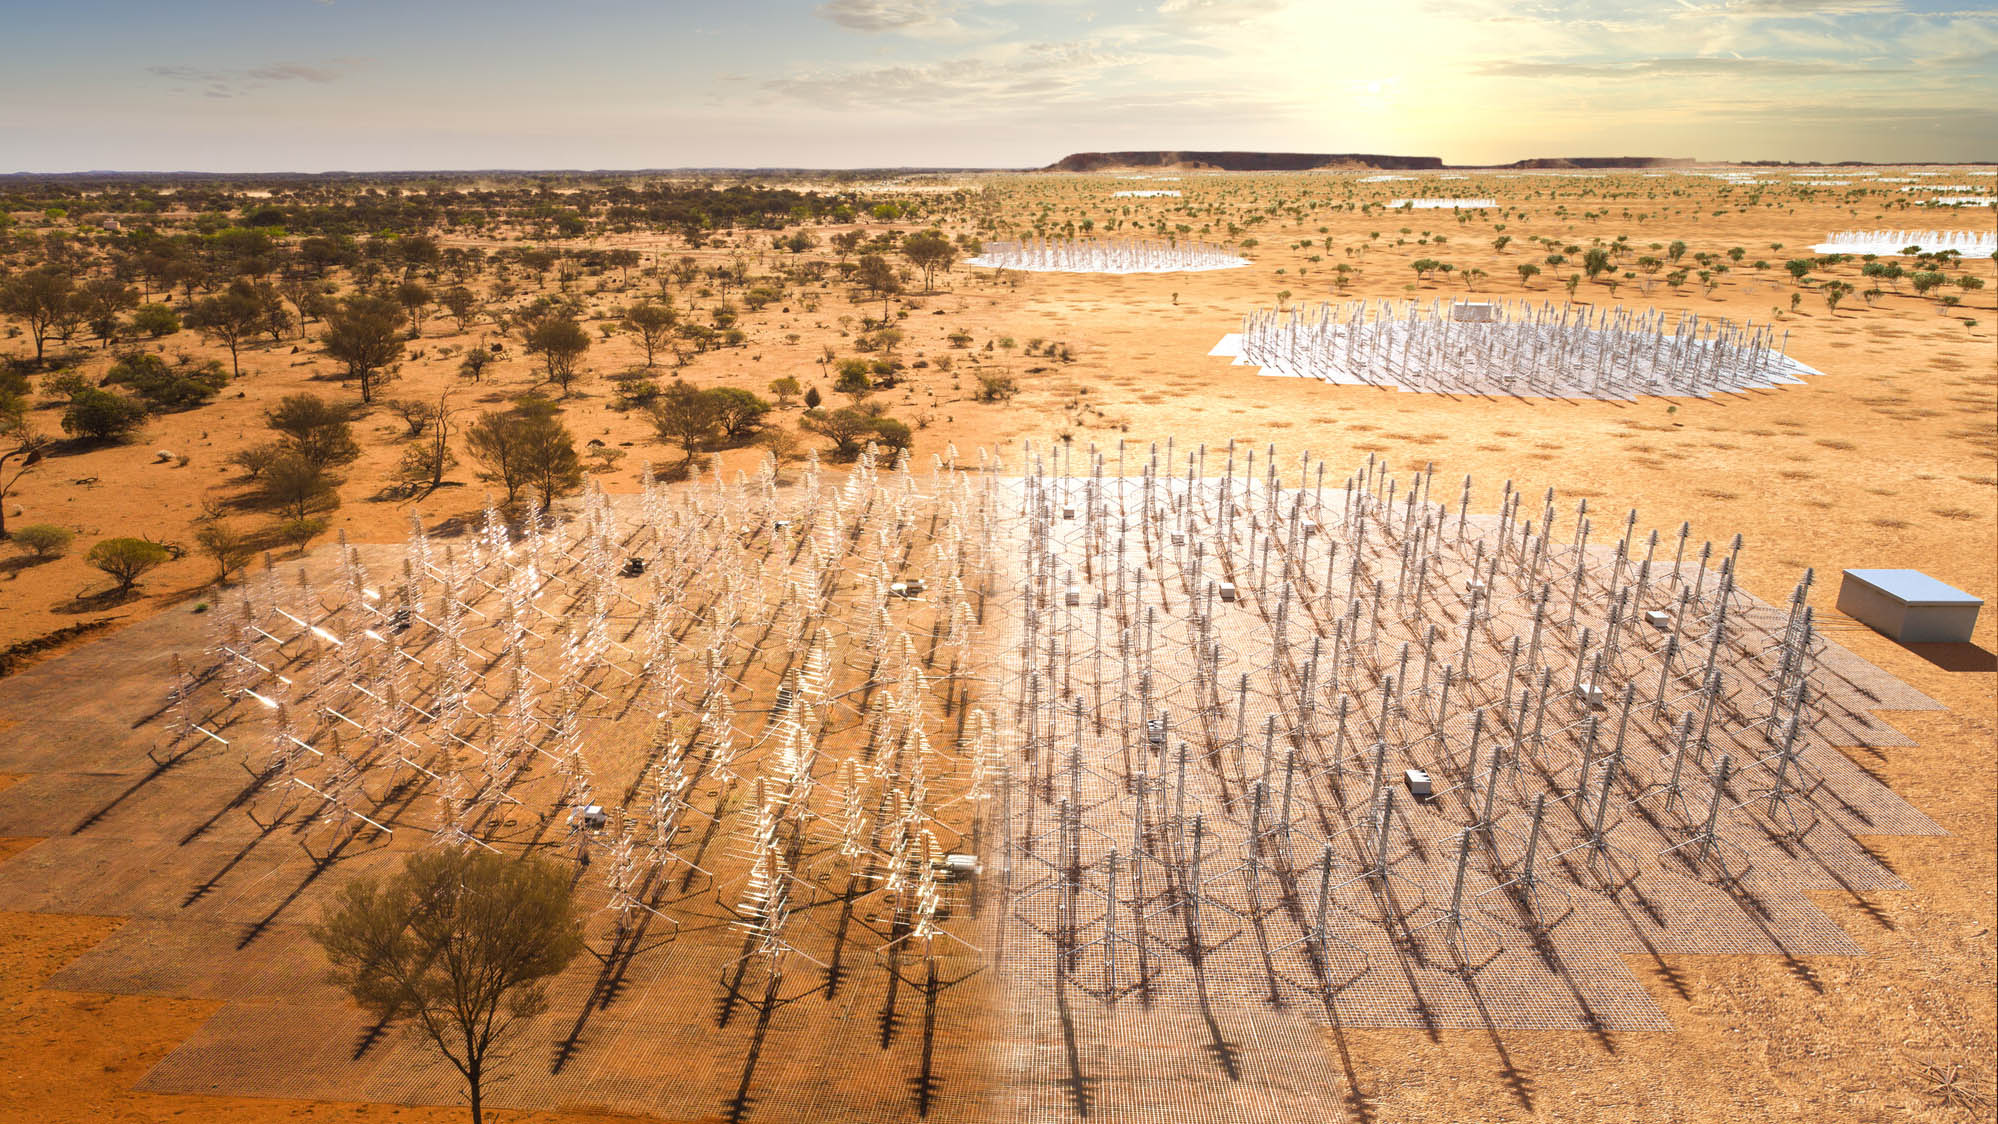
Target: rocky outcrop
(1239, 161)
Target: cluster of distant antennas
(1445, 204)
(1151, 193)
(1968, 243)
(1545, 350)
(1046, 255)
(779, 663)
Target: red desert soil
(1887, 460)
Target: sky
(369, 85)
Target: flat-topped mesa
(1239, 161)
(1557, 162)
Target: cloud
(235, 83)
(907, 16)
(1686, 67)
(289, 71)
(1781, 8)
(1025, 73)
(1218, 11)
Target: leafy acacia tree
(876, 276)
(459, 944)
(850, 429)
(227, 547)
(475, 364)
(652, 323)
(560, 342)
(127, 560)
(45, 298)
(686, 416)
(462, 304)
(929, 251)
(230, 318)
(527, 446)
(739, 412)
(366, 336)
(297, 487)
(414, 297)
(103, 298)
(313, 429)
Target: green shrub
(181, 386)
(44, 540)
(127, 559)
(100, 415)
(155, 320)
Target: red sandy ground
(1886, 461)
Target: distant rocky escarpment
(1314, 161)
(1239, 161)
(1539, 162)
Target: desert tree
(786, 388)
(526, 446)
(155, 320)
(415, 413)
(365, 335)
(462, 304)
(425, 462)
(475, 363)
(44, 298)
(297, 487)
(853, 380)
(877, 276)
(738, 412)
(414, 297)
(126, 560)
(560, 342)
(94, 414)
(417, 251)
(22, 447)
(652, 322)
(230, 318)
(225, 546)
(686, 416)
(103, 299)
(458, 944)
(44, 541)
(313, 429)
(929, 251)
(851, 428)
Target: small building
(1908, 606)
(1473, 312)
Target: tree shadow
(12, 565)
(102, 600)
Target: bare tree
(21, 444)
